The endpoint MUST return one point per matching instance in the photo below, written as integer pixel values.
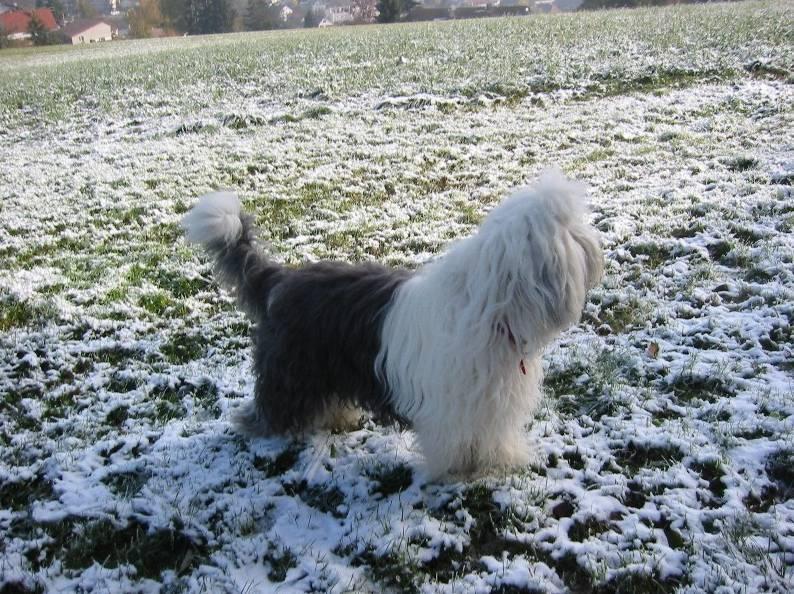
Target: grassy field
(665, 446)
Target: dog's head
(542, 257)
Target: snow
(125, 360)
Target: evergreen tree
(175, 14)
(143, 17)
(393, 10)
(208, 16)
(86, 10)
(262, 15)
(596, 4)
(311, 19)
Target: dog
(452, 350)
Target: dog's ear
(594, 257)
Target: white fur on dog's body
(457, 379)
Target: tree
(262, 15)
(208, 16)
(38, 32)
(86, 10)
(4, 41)
(393, 10)
(56, 6)
(596, 4)
(143, 17)
(365, 11)
(312, 18)
(175, 13)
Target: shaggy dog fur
(453, 349)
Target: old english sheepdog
(453, 349)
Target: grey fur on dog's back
(317, 330)
(317, 341)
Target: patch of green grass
(689, 387)
(325, 499)
(713, 472)
(391, 479)
(117, 356)
(277, 466)
(280, 560)
(690, 229)
(758, 545)
(19, 495)
(637, 456)
(631, 581)
(599, 154)
(740, 163)
(167, 403)
(156, 303)
(746, 234)
(467, 214)
(183, 347)
(117, 416)
(780, 469)
(179, 285)
(581, 530)
(21, 313)
(487, 534)
(15, 413)
(652, 254)
(150, 550)
(594, 394)
(620, 315)
(242, 121)
(391, 569)
(59, 407)
(160, 304)
(15, 313)
(315, 113)
(126, 484)
(121, 382)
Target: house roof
(77, 27)
(18, 21)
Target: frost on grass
(664, 448)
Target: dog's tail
(218, 223)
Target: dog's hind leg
(250, 420)
(339, 416)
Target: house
(87, 31)
(339, 12)
(16, 23)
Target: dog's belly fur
(316, 341)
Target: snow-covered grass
(666, 444)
